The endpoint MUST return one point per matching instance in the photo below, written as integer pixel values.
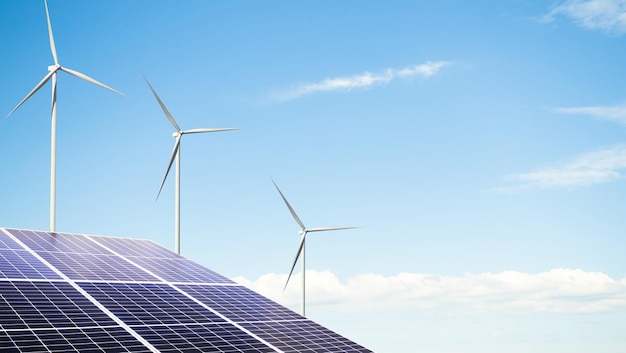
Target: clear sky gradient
(481, 147)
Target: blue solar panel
(46, 305)
(66, 243)
(303, 336)
(22, 264)
(136, 247)
(239, 303)
(125, 295)
(96, 267)
(201, 338)
(149, 304)
(89, 339)
(179, 270)
(7, 243)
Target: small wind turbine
(52, 73)
(178, 134)
(301, 248)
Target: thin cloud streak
(596, 167)
(612, 113)
(605, 15)
(363, 80)
(556, 291)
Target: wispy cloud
(363, 80)
(595, 167)
(606, 15)
(557, 291)
(613, 113)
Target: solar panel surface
(79, 293)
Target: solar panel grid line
(84, 293)
(149, 304)
(95, 267)
(164, 299)
(135, 247)
(297, 337)
(179, 270)
(240, 303)
(86, 339)
(166, 268)
(47, 305)
(63, 242)
(219, 337)
(230, 321)
(197, 301)
(20, 263)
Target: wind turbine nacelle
(53, 68)
(176, 133)
(301, 232)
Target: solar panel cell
(303, 336)
(95, 267)
(35, 305)
(92, 339)
(66, 243)
(136, 247)
(149, 304)
(179, 270)
(22, 264)
(201, 338)
(7, 243)
(239, 303)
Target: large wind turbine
(52, 73)
(178, 134)
(301, 248)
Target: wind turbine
(178, 134)
(301, 248)
(52, 74)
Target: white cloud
(614, 113)
(556, 291)
(363, 80)
(590, 168)
(606, 15)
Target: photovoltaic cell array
(79, 293)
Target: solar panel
(79, 293)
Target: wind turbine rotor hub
(53, 68)
(176, 133)
(301, 232)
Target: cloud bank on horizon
(363, 80)
(561, 291)
(605, 15)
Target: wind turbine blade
(52, 46)
(322, 229)
(89, 79)
(293, 213)
(295, 260)
(167, 113)
(195, 131)
(169, 165)
(39, 85)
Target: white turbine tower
(178, 134)
(301, 248)
(52, 73)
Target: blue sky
(479, 145)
